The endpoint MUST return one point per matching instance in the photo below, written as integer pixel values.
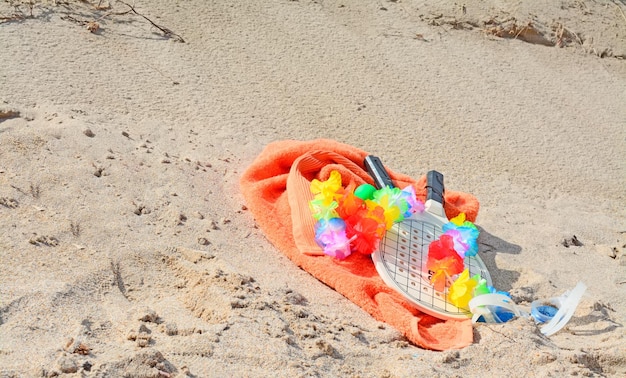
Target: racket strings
(405, 253)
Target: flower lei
(355, 219)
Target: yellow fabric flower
(462, 290)
(326, 191)
(459, 219)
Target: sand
(127, 250)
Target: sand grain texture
(126, 248)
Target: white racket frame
(404, 268)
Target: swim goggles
(554, 313)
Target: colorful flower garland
(355, 219)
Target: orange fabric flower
(443, 261)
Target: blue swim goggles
(554, 313)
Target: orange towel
(276, 189)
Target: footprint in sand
(212, 288)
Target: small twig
(18, 15)
(499, 333)
(92, 26)
(15, 17)
(107, 14)
(580, 41)
(520, 32)
(165, 30)
(621, 11)
(100, 7)
(503, 335)
(6, 114)
(70, 18)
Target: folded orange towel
(276, 187)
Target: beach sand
(126, 248)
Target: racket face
(401, 262)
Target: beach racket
(402, 253)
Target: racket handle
(377, 171)
(434, 186)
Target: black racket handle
(377, 171)
(434, 186)
(434, 179)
